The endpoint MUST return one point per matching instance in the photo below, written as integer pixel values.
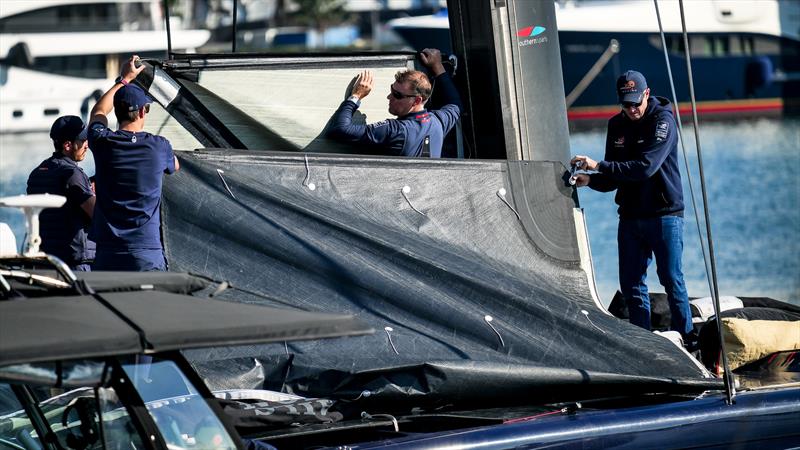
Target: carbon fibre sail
(475, 282)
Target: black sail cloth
(424, 251)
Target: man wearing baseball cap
(64, 230)
(130, 165)
(641, 163)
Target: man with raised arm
(641, 164)
(130, 166)
(416, 131)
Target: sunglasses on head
(398, 95)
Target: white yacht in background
(745, 54)
(58, 56)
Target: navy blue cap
(131, 98)
(68, 128)
(631, 86)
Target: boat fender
(758, 74)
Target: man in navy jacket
(641, 163)
(416, 131)
(64, 231)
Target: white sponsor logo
(533, 41)
(661, 130)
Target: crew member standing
(64, 230)
(641, 163)
(130, 165)
(416, 131)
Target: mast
(511, 47)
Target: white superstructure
(58, 56)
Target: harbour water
(754, 199)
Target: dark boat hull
(733, 73)
(757, 419)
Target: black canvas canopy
(471, 271)
(62, 328)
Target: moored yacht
(745, 55)
(58, 56)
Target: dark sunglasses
(398, 95)
(627, 105)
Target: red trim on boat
(711, 107)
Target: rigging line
(169, 34)
(683, 148)
(730, 390)
(235, 13)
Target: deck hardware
(573, 172)
(488, 319)
(220, 172)
(365, 393)
(502, 194)
(388, 330)
(306, 183)
(367, 416)
(586, 313)
(222, 287)
(406, 189)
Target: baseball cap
(131, 98)
(631, 86)
(68, 128)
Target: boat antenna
(730, 391)
(683, 147)
(235, 13)
(169, 34)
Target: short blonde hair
(417, 80)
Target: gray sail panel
(431, 265)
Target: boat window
(84, 17)
(99, 66)
(74, 417)
(181, 414)
(87, 66)
(16, 430)
(766, 45)
(286, 107)
(723, 45)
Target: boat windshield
(181, 414)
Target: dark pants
(139, 260)
(637, 241)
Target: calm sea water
(753, 184)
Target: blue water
(753, 184)
(753, 188)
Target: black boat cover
(70, 327)
(469, 270)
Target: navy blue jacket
(64, 230)
(404, 136)
(641, 163)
